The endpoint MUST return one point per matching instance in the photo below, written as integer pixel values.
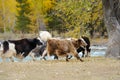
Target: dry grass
(96, 68)
(6, 36)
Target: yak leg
(67, 58)
(33, 56)
(83, 53)
(76, 55)
(88, 52)
(12, 59)
(44, 53)
(58, 52)
(55, 56)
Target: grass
(94, 68)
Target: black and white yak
(18, 48)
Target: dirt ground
(94, 68)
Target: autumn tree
(93, 10)
(23, 20)
(7, 15)
(112, 20)
(76, 17)
(39, 10)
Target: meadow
(93, 68)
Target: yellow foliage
(73, 33)
(48, 4)
(11, 5)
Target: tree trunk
(4, 24)
(40, 23)
(112, 21)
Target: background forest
(71, 18)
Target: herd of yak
(45, 45)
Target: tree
(81, 16)
(39, 9)
(112, 20)
(7, 15)
(23, 20)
